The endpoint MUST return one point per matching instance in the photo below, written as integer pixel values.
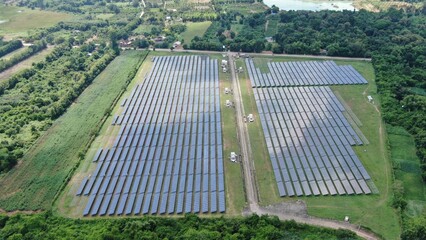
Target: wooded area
(47, 226)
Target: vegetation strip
(58, 151)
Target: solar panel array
(309, 142)
(308, 73)
(168, 155)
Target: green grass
(105, 16)
(34, 182)
(237, 28)
(19, 20)
(364, 210)
(143, 28)
(195, 29)
(407, 169)
(272, 27)
(418, 91)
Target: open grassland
(195, 29)
(271, 26)
(36, 180)
(27, 63)
(364, 210)
(407, 169)
(19, 20)
(71, 206)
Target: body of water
(316, 5)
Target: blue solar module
(157, 145)
(82, 186)
(299, 131)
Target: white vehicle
(250, 117)
(233, 157)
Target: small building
(168, 18)
(250, 117)
(227, 90)
(269, 39)
(370, 98)
(177, 44)
(159, 39)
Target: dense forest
(46, 226)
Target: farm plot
(309, 142)
(167, 157)
(308, 73)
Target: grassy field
(27, 63)
(105, 16)
(407, 169)
(19, 21)
(35, 181)
(271, 28)
(71, 206)
(364, 210)
(195, 29)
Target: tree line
(47, 226)
(31, 50)
(10, 47)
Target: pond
(313, 5)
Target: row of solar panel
(303, 74)
(308, 160)
(320, 104)
(179, 74)
(171, 162)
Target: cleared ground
(15, 21)
(35, 181)
(362, 210)
(195, 29)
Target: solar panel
(145, 156)
(299, 129)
